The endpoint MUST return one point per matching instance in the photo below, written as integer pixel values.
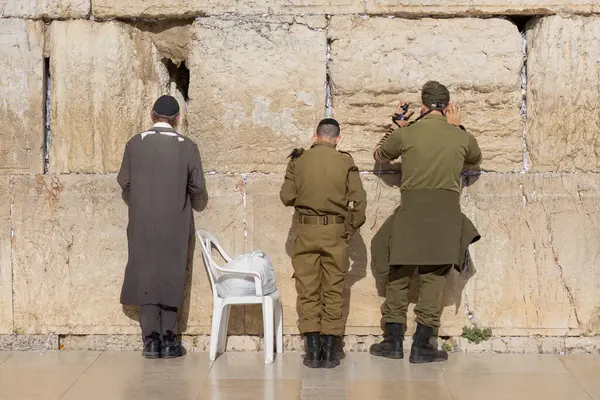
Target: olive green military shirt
(323, 181)
(434, 153)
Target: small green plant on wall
(476, 335)
(447, 346)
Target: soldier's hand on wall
(453, 114)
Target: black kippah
(166, 106)
(329, 121)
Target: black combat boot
(152, 346)
(312, 358)
(171, 347)
(331, 347)
(391, 347)
(422, 351)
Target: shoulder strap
(296, 153)
(346, 153)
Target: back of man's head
(328, 129)
(435, 96)
(166, 108)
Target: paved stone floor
(241, 376)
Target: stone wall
(78, 79)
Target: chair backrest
(208, 241)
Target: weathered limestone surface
(70, 251)
(45, 8)
(105, 78)
(478, 7)
(194, 8)
(562, 96)
(376, 62)
(535, 265)
(6, 317)
(257, 89)
(22, 96)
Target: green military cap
(435, 96)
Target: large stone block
(562, 94)
(257, 89)
(70, 250)
(193, 8)
(105, 78)
(376, 62)
(479, 7)
(535, 263)
(6, 293)
(271, 227)
(22, 96)
(45, 8)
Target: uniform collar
(435, 116)
(323, 143)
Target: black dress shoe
(312, 358)
(171, 347)
(330, 357)
(152, 346)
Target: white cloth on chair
(256, 261)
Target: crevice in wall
(179, 77)
(522, 22)
(328, 83)
(47, 132)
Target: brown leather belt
(317, 220)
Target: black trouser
(158, 318)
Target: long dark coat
(162, 180)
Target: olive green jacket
(324, 181)
(396, 243)
(428, 228)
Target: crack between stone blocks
(328, 83)
(47, 97)
(12, 267)
(245, 210)
(523, 110)
(560, 269)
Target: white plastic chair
(271, 303)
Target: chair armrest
(243, 274)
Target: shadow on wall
(457, 281)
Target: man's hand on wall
(453, 114)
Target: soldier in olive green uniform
(320, 183)
(428, 232)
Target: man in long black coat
(162, 181)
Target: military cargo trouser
(320, 263)
(428, 310)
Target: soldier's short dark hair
(328, 128)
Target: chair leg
(279, 326)
(268, 325)
(223, 329)
(216, 324)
